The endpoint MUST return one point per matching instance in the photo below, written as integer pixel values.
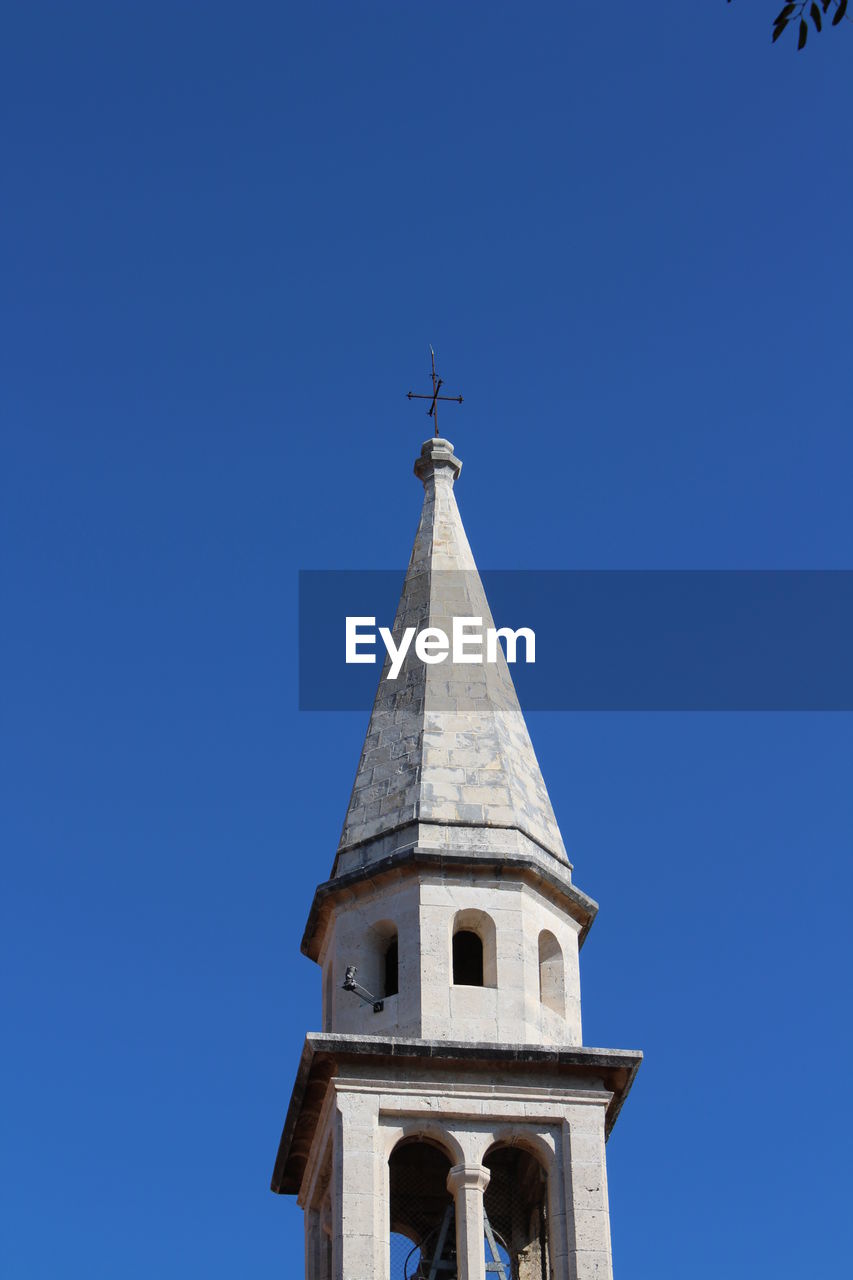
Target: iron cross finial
(434, 398)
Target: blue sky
(228, 235)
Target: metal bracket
(350, 984)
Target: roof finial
(432, 411)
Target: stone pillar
(318, 1243)
(325, 1247)
(359, 1199)
(466, 1183)
(312, 1244)
(587, 1209)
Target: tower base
(359, 1101)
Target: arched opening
(473, 949)
(516, 1208)
(392, 968)
(552, 979)
(467, 959)
(420, 1212)
(379, 970)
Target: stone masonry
(446, 745)
(450, 842)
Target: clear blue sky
(229, 233)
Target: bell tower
(448, 1123)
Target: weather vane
(432, 411)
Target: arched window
(380, 971)
(473, 949)
(422, 1228)
(516, 1207)
(552, 981)
(467, 959)
(392, 968)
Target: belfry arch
(419, 1205)
(516, 1207)
(474, 949)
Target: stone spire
(447, 762)
(449, 1098)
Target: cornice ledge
(582, 908)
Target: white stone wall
(423, 908)
(365, 1117)
(358, 936)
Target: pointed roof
(447, 762)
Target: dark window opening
(516, 1205)
(467, 959)
(420, 1213)
(392, 976)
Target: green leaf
(785, 13)
(779, 28)
(804, 34)
(826, 4)
(839, 13)
(815, 12)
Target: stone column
(318, 1243)
(466, 1183)
(359, 1204)
(325, 1246)
(312, 1244)
(587, 1210)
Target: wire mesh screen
(423, 1226)
(405, 1257)
(515, 1205)
(421, 1214)
(435, 1257)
